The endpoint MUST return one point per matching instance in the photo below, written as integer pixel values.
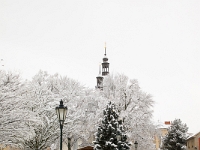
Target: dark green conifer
(176, 137)
(106, 136)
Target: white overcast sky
(154, 41)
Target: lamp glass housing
(118, 137)
(61, 112)
(136, 144)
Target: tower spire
(105, 49)
(99, 68)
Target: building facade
(162, 131)
(193, 142)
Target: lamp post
(61, 112)
(136, 145)
(119, 137)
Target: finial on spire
(105, 49)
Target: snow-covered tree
(176, 136)
(106, 136)
(40, 98)
(43, 130)
(11, 114)
(28, 118)
(74, 96)
(134, 107)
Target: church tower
(105, 71)
(99, 79)
(105, 65)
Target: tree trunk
(69, 143)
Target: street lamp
(118, 137)
(61, 112)
(136, 145)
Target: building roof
(163, 125)
(191, 135)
